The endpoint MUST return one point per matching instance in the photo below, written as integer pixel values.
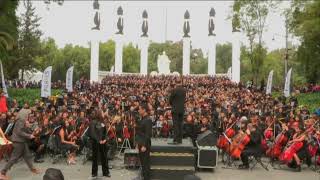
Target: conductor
(177, 100)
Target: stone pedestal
(144, 46)
(212, 56)
(186, 56)
(118, 54)
(94, 63)
(236, 57)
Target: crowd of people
(215, 104)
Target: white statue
(163, 64)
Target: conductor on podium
(177, 99)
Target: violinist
(36, 145)
(253, 148)
(67, 143)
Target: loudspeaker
(207, 157)
(207, 139)
(131, 158)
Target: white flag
(4, 87)
(229, 73)
(287, 84)
(269, 84)
(69, 78)
(46, 82)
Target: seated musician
(3, 136)
(66, 142)
(302, 153)
(253, 148)
(36, 145)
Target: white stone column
(235, 57)
(94, 63)
(144, 46)
(186, 56)
(118, 54)
(212, 56)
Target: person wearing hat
(143, 139)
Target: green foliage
(131, 59)
(106, 55)
(252, 16)
(29, 38)
(8, 27)
(304, 21)
(28, 95)
(223, 57)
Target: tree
(8, 27)
(131, 59)
(304, 22)
(252, 16)
(29, 38)
(223, 57)
(106, 55)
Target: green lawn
(29, 95)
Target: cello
(222, 142)
(239, 143)
(280, 141)
(294, 146)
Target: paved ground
(82, 172)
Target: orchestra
(248, 122)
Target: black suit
(253, 148)
(177, 100)
(143, 138)
(97, 133)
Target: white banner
(46, 82)
(69, 78)
(229, 73)
(286, 90)
(4, 87)
(269, 83)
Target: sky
(72, 22)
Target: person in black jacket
(143, 140)
(253, 148)
(98, 136)
(177, 100)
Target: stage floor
(82, 172)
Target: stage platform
(170, 161)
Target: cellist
(253, 148)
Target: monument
(94, 63)
(119, 42)
(212, 45)
(144, 44)
(186, 45)
(163, 63)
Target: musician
(143, 140)
(98, 135)
(20, 137)
(253, 148)
(299, 136)
(36, 145)
(177, 100)
(66, 142)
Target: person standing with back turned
(177, 99)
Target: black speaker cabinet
(207, 139)
(131, 158)
(207, 157)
